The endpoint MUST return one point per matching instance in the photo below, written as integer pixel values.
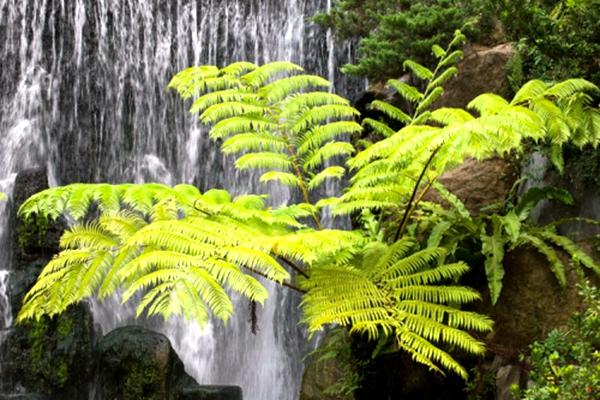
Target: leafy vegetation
(555, 39)
(566, 365)
(393, 31)
(177, 251)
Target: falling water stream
(83, 93)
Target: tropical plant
(504, 230)
(174, 246)
(395, 172)
(274, 120)
(566, 364)
(397, 291)
(555, 39)
(177, 249)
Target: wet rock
(506, 377)
(35, 238)
(136, 363)
(29, 182)
(52, 356)
(478, 183)
(210, 393)
(320, 376)
(531, 303)
(28, 396)
(482, 70)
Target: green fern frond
(261, 75)
(378, 127)
(419, 70)
(285, 178)
(225, 110)
(245, 142)
(391, 111)
(264, 160)
(282, 88)
(316, 158)
(334, 172)
(405, 90)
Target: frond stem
(301, 180)
(282, 283)
(295, 267)
(409, 206)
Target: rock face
(482, 70)
(136, 363)
(52, 356)
(478, 183)
(320, 375)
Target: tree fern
(398, 293)
(275, 119)
(549, 113)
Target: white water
(83, 92)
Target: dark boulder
(36, 237)
(23, 396)
(210, 393)
(136, 363)
(52, 356)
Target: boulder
(478, 183)
(210, 393)
(507, 377)
(23, 396)
(482, 70)
(136, 363)
(52, 356)
(36, 238)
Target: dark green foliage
(556, 39)
(566, 365)
(393, 31)
(506, 229)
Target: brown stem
(295, 267)
(407, 212)
(286, 284)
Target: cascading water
(83, 92)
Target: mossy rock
(52, 356)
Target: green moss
(65, 326)
(32, 230)
(36, 336)
(142, 382)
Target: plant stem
(300, 176)
(286, 284)
(407, 212)
(295, 267)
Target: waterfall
(83, 92)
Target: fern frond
(282, 88)
(264, 160)
(334, 172)
(390, 111)
(261, 75)
(405, 90)
(419, 70)
(316, 158)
